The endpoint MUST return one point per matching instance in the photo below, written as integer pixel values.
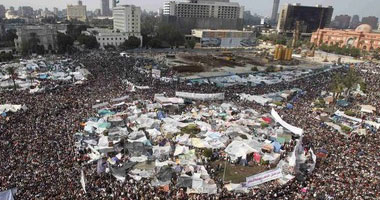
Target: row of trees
(344, 84)
(345, 50)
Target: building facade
(105, 8)
(224, 38)
(311, 18)
(107, 37)
(2, 11)
(362, 37)
(276, 5)
(127, 19)
(46, 34)
(355, 22)
(372, 21)
(25, 11)
(77, 12)
(204, 14)
(341, 22)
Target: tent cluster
(32, 73)
(143, 140)
(275, 98)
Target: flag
(83, 181)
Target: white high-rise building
(127, 19)
(223, 9)
(77, 12)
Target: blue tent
(276, 147)
(289, 106)
(160, 115)
(342, 103)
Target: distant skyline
(261, 7)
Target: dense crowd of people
(38, 156)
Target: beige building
(77, 12)
(362, 38)
(46, 34)
(127, 19)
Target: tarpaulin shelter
(291, 128)
(276, 147)
(342, 103)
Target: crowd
(38, 157)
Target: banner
(156, 73)
(263, 177)
(291, 128)
(200, 96)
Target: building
(56, 11)
(362, 37)
(105, 8)
(46, 34)
(204, 14)
(311, 18)
(25, 11)
(107, 37)
(77, 12)
(276, 5)
(127, 19)
(341, 22)
(355, 22)
(114, 3)
(371, 20)
(224, 38)
(2, 11)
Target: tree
(12, 72)
(64, 42)
(350, 80)
(337, 86)
(169, 34)
(132, 43)
(155, 43)
(190, 44)
(89, 42)
(5, 57)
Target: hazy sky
(262, 7)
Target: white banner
(263, 177)
(156, 73)
(291, 128)
(200, 96)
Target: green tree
(350, 80)
(155, 43)
(190, 44)
(89, 42)
(64, 42)
(5, 57)
(12, 72)
(132, 43)
(337, 86)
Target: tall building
(77, 12)
(371, 20)
(276, 5)
(55, 11)
(105, 8)
(2, 11)
(355, 22)
(127, 19)
(341, 22)
(204, 14)
(311, 18)
(46, 34)
(114, 3)
(25, 11)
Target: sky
(261, 7)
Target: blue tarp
(160, 115)
(289, 106)
(105, 112)
(7, 194)
(276, 147)
(342, 103)
(43, 76)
